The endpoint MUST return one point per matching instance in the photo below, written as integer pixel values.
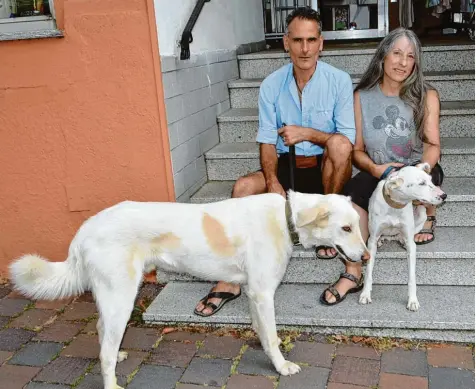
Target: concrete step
(449, 260)
(228, 161)
(446, 312)
(458, 210)
(356, 61)
(241, 124)
(452, 86)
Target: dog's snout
(444, 196)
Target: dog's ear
(318, 215)
(394, 182)
(425, 166)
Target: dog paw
(121, 356)
(289, 368)
(413, 305)
(365, 298)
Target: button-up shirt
(327, 106)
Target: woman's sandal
(359, 285)
(225, 298)
(430, 231)
(325, 248)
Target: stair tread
(457, 189)
(245, 150)
(251, 114)
(429, 76)
(297, 304)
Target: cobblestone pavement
(53, 345)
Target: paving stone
(36, 354)
(256, 362)
(155, 377)
(4, 320)
(4, 355)
(358, 351)
(79, 311)
(91, 327)
(16, 295)
(84, 346)
(16, 377)
(54, 305)
(126, 367)
(59, 331)
(186, 336)
(453, 356)
(400, 381)
(338, 385)
(313, 353)
(149, 291)
(239, 381)
(447, 378)
(191, 386)
(11, 339)
(12, 307)
(32, 318)
(86, 297)
(221, 346)
(201, 371)
(43, 385)
(173, 354)
(95, 381)
(401, 361)
(140, 338)
(308, 377)
(357, 371)
(4, 291)
(63, 370)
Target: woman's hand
(378, 170)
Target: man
(308, 104)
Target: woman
(397, 123)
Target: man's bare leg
(336, 170)
(251, 184)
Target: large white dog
(392, 217)
(244, 241)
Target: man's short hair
(306, 13)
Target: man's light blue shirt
(327, 106)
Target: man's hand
(378, 170)
(293, 134)
(275, 187)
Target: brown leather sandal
(358, 282)
(430, 231)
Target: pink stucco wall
(82, 124)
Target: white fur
(242, 240)
(404, 186)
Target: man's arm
(344, 109)
(296, 134)
(269, 165)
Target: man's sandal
(430, 231)
(358, 282)
(224, 296)
(325, 248)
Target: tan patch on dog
(131, 270)
(319, 216)
(168, 241)
(216, 237)
(277, 234)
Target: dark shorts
(362, 185)
(306, 180)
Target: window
(26, 16)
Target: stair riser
(449, 90)
(454, 165)
(357, 64)
(448, 271)
(245, 131)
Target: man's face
(303, 42)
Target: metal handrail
(187, 37)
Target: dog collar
(292, 231)
(389, 201)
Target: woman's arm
(431, 129)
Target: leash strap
(292, 163)
(387, 172)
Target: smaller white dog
(392, 217)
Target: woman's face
(399, 63)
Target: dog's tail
(40, 279)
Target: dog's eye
(347, 229)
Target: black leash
(292, 163)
